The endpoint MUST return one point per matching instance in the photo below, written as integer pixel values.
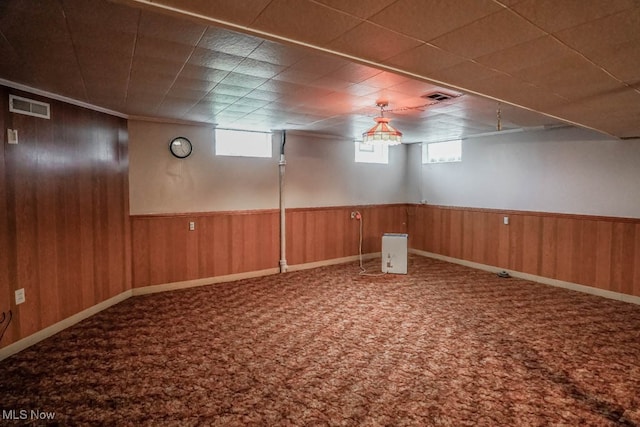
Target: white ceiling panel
(321, 65)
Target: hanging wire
(499, 124)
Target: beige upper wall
(567, 170)
(161, 183)
(320, 171)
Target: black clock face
(180, 147)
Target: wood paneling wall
(67, 210)
(602, 252)
(317, 234)
(6, 291)
(165, 251)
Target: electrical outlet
(353, 215)
(505, 220)
(192, 225)
(20, 296)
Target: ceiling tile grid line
(75, 51)
(585, 57)
(367, 62)
(266, 67)
(164, 96)
(133, 53)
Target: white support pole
(283, 228)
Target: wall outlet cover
(20, 296)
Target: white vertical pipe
(283, 229)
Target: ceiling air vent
(20, 105)
(438, 96)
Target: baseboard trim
(532, 277)
(333, 261)
(35, 338)
(173, 286)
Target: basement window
(442, 152)
(240, 143)
(371, 153)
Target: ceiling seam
(261, 12)
(75, 51)
(583, 56)
(184, 64)
(133, 54)
(242, 28)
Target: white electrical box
(394, 253)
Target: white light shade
(382, 133)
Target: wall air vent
(438, 96)
(20, 105)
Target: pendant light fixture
(382, 132)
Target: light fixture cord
(499, 124)
(363, 271)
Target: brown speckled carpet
(443, 346)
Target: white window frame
(242, 143)
(371, 153)
(440, 155)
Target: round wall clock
(180, 147)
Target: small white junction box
(394, 253)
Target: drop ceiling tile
(491, 34)
(112, 71)
(242, 13)
(359, 8)
(257, 68)
(220, 98)
(363, 90)
(623, 60)
(293, 75)
(9, 60)
(321, 63)
(227, 41)
(525, 54)
(192, 95)
(199, 72)
(232, 90)
(307, 95)
(384, 79)
(156, 48)
(330, 83)
(460, 75)
(516, 91)
(424, 59)
(354, 73)
(605, 33)
(372, 42)
(280, 87)
(243, 80)
(277, 53)
(304, 20)
(553, 16)
(264, 94)
(213, 59)
(247, 100)
(158, 67)
(567, 76)
(416, 87)
(165, 27)
(101, 15)
(613, 121)
(427, 19)
(193, 84)
(239, 108)
(171, 106)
